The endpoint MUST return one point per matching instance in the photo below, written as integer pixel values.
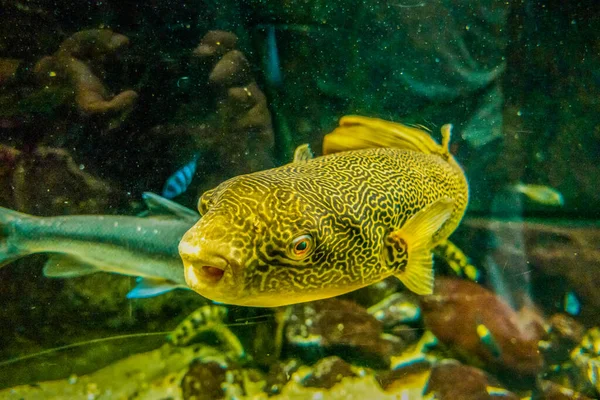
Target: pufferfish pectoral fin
(415, 237)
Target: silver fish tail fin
(356, 132)
(10, 247)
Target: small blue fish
(150, 287)
(273, 68)
(180, 180)
(571, 303)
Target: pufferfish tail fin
(356, 132)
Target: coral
(79, 63)
(458, 311)
(8, 69)
(241, 104)
(342, 328)
(65, 187)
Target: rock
(412, 377)
(359, 388)
(556, 258)
(399, 313)
(451, 380)
(203, 381)
(398, 308)
(374, 293)
(211, 380)
(327, 373)
(279, 374)
(339, 327)
(554, 391)
(408, 334)
(566, 328)
(564, 333)
(586, 358)
(245, 383)
(470, 318)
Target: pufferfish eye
(301, 247)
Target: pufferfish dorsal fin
(356, 132)
(414, 242)
(303, 153)
(446, 136)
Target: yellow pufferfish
(376, 203)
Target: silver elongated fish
(83, 244)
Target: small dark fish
(487, 339)
(209, 318)
(180, 180)
(495, 391)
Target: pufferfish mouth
(211, 273)
(205, 272)
(202, 270)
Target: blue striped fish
(180, 180)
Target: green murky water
(103, 101)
